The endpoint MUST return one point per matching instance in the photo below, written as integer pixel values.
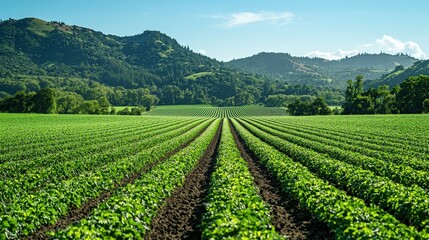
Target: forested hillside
(399, 74)
(35, 54)
(318, 71)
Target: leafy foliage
(348, 216)
(409, 97)
(234, 209)
(129, 212)
(360, 175)
(365, 176)
(43, 197)
(412, 94)
(317, 107)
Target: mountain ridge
(321, 71)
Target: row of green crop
(78, 139)
(30, 212)
(399, 173)
(58, 128)
(95, 146)
(399, 153)
(186, 110)
(217, 112)
(76, 165)
(409, 204)
(58, 135)
(408, 130)
(233, 207)
(349, 217)
(376, 142)
(248, 111)
(128, 213)
(73, 141)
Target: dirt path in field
(85, 210)
(288, 217)
(182, 212)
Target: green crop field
(202, 172)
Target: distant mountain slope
(399, 75)
(279, 66)
(283, 66)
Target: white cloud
(392, 45)
(244, 18)
(386, 44)
(203, 52)
(338, 54)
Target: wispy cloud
(245, 18)
(203, 52)
(386, 44)
(335, 55)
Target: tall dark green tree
(148, 101)
(104, 105)
(21, 102)
(319, 107)
(414, 91)
(316, 107)
(45, 101)
(89, 107)
(353, 90)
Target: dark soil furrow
(288, 218)
(84, 211)
(181, 215)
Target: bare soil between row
(181, 215)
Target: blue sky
(234, 29)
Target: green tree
(104, 104)
(45, 101)
(299, 108)
(414, 91)
(21, 102)
(68, 101)
(363, 105)
(356, 102)
(243, 98)
(350, 98)
(148, 101)
(426, 105)
(89, 107)
(277, 100)
(358, 86)
(125, 111)
(137, 111)
(383, 100)
(319, 107)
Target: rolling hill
(400, 74)
(318, 71)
